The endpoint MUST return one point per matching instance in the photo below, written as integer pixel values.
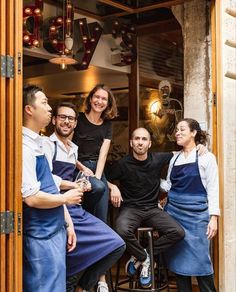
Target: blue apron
(187, 203)
(95, 239)
(44, 239)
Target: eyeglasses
(64, 117)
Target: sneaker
(145, 275)
(102, 287)
(132, 266)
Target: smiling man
(44, 213)
(98, 246)
(139, 176)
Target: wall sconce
(155, 107)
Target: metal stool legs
(133, 282)
(149, 231)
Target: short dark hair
(141, 128)
(201, 136)
(111, 111)
(64, 104)
(29, 92)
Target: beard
(140, 152)
(62, 134)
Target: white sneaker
(145, 275)
(102, 287)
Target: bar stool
(156, 273)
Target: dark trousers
(205, 283)
(88, 278)
(96, 201)
(130, 219)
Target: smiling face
(184, 135)
(65, 121)
(140, 143)
(99, 101)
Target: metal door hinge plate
(6, 222)
(7, 66)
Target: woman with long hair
(193, 200)
(93, 135)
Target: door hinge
(19, 63)
(19, 223)
(7, 66)
(214, 99)
(6, 222)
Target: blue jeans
(96, 201)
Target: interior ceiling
(149, 16)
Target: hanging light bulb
(64, 59)
(69, 42)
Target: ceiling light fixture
(65, 58)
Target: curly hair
(201, 136)
(111, 111)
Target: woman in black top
(93, 135)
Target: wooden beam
(159, 26)
(159, 5)
(117, 5)
(147, 8)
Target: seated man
(98, 246)
(139, 177)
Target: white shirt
(32, 147)
(208, 172)
(62, 152)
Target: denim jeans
(96, 201)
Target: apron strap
(55, 152)
(177, 157)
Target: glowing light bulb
(27, 10)
(63, 66)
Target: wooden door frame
(2, 144)
(217, 146)
(11, 144)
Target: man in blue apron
(44, 241)
(98, 246)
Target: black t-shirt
(89, 137)
(140, 180)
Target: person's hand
(212, 227)
(115, 196)
(87, 171)
(201, 149)
(87, 187)
(73, 196)
(71, 238)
